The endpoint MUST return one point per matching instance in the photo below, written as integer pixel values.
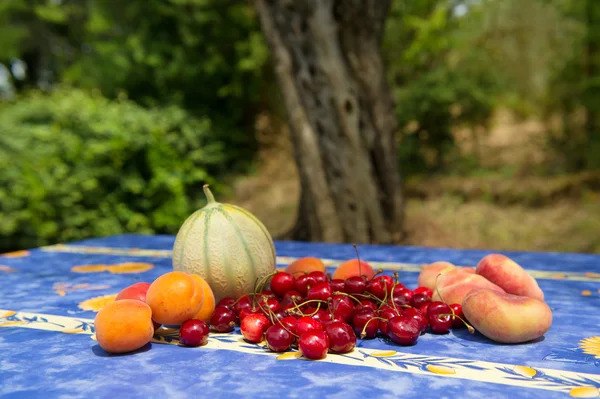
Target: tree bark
(327, 60)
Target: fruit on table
(508, 275)
(281, 283)
(305, 265)
(429, 273)
(193, 332)
(227, 246)
(314, 344)
(403, 330)
(135, 291)
(253, 327)
(174, 298)
(352, 268)
(507, 318)
(279, 338)
(223, 319)
(341, 337)
(454, 285)
(208, 300)
(124, 326)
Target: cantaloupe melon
(227, 246)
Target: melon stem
(209, 195)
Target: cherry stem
(348, 295)
(297, 306)
(273, 315)
(363, 333)
(358, 257)
(469, 327)
(436, 288)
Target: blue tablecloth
(49, 297)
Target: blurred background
(114, 114)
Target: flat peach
(429, 273)
(507, 318)
(456, 284)
(506, 273)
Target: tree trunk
(327, 60)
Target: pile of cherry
(318, 315)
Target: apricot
(124, 326)
(455, 284)
(208, 300)
(304, 266)
(507, 318)
(350, 268)
(509, 275)
(174, 298)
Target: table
(49, 297)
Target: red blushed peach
(351, 268)
(510, 276)
(429, 273)
(507, 318)
(454, 285)
(135, 291)
(304, 266)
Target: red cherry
(456, 322)
(341, 337)
(314, 344)
(254, 326)
(416, 314)
(223, 319)
(319, 291)
(267, 294)
(423, 290)
(355, 285)
(303, 282)
(269, 303)
(289, 322)
(381, 286)
(403, 330)
(418, 299)
(423, 308)
(337, 285)
(365, 303)
(244, 302)
(248, 311)
(289, 298)
(402, 295)
(318, 276)
(364, 317)
(193, 333)
(278, 338)
(386, 314)
(282, 282)
(439, 324)
(322, 315)
(343, 307)
(226, 302)
(306, 323)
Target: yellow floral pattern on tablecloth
(591, 346)
(16, 254)
(97, 303)
(119, 268)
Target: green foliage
(77, 165)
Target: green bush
(77, 165)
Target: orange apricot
(124, 326)
(174, 298)
(351, 268)
(304, 266)
(208, 300)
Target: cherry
(419, 298)
(365, 303)
(254, 326)
(322, 316)
(314, 344)
(343, 307)
(386, 314)
(247, 311)
(282, 282)
(413, 313)
(226, 302)
(423, 308)
(306, 323)
(267, 294)
(341, 337)
(278, 338)
(364, 317)
(289, 298)
(355, 285)
(423, 290)
(333, 319)
(319, 291)
(456, 322)
(243, 303)
(289, 322)
(438, 314)
(337, 285)
(402, 295)
(303, 282)
(271, 303)
(223, 319)
(193, 332)
(318, 276)
(403, 330)
(381, 286)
